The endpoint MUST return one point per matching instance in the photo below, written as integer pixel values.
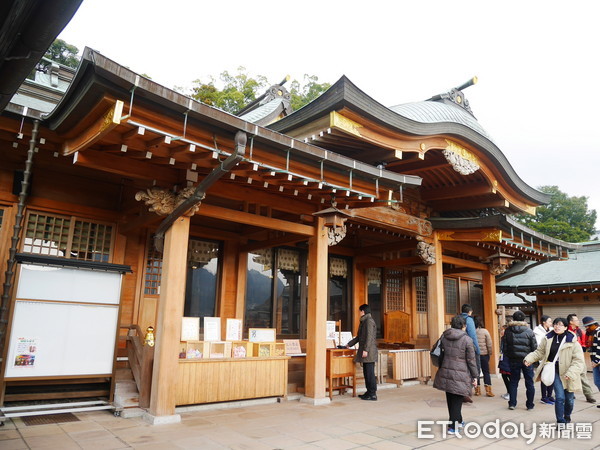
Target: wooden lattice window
(68, 237)
(153, 272)
(421, 291)
(394, 290)
(451, 295)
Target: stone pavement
(390, 422)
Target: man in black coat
(367, 350)
(518, 341)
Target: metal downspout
(9, 274)
(200, 192)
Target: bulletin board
(61, 339)
(64, 318)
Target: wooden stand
(341, 368)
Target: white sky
(537, 61)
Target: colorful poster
(25, 352)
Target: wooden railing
(411, 364)
(141, 359)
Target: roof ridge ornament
(456, 96)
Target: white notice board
(61, 339)
(68, 284)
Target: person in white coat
(540, 332)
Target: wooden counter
(229, 379)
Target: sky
(536, 61)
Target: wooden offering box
(241, 349)
(341, 371)
(219, 349)
(195, 349)
(266, 349)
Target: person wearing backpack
(518, 342)
(458, 372)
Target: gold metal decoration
(493, 236)
(461, 159)
(149, 338)
(336, 120)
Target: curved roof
(580, 269)
(345, 94)
(436, 112)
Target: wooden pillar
(316, 313)
(435, 294)
(359, 296)
(490, 316)
(242, 279)
(168, 322)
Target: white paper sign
(234, 330)
(347, 337)
(212, 328)
(331, 334)
(190, 328)
(262, 334)
(292, 346)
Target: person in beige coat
(569, 366)
(485, 347)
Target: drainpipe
(9, 274)
(200, 192)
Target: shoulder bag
(549, 369)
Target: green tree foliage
(240, 89)
(566, 218)
(306, 93)
(63, 53)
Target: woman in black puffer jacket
(458, 373)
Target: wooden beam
(482, 235)
(127, 167)
(450, 192)
(464, 263)
(101, 127)
(384, 217)
(399, 262)
(388, 247)
(462, 205)
(231, 215)
(472, 250)
(317, 314)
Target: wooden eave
(443, 189)
(382, 131)
(499, 233)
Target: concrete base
(161, 420)
(316, 401)
(128, 413)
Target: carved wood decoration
(498, 269)
(461, 160)
(426, 252)
(335, 235)
(163, 201)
